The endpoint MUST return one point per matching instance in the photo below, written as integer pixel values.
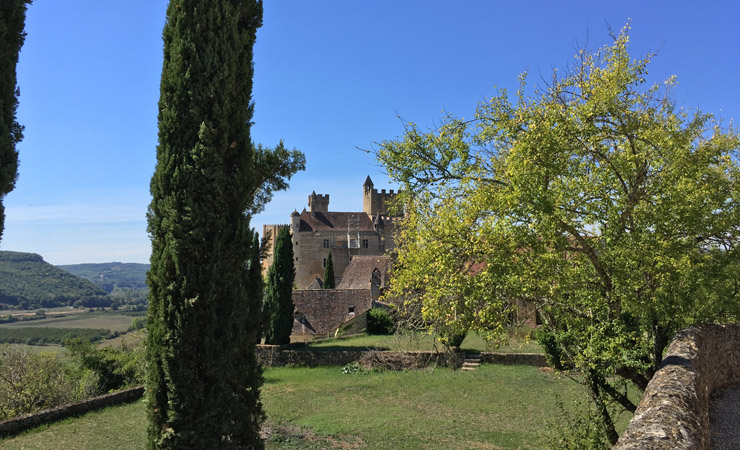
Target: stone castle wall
(328, 308)
(674, 411)
(309, 251)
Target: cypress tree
(279, 291)
(203, 319)
(329, 282)
(12, 23)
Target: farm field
(491, 407)
(113, 322)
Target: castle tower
(373, 202)
(318, 203)
(367, 196)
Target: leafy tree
(12, 23)
(329, 282)
(595, 198)
(278, 308)
(203, 319)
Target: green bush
(115, 368)
(30, 382)
(379, 322)
(452, 338)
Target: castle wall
(310, 251)
(273, 230)
(323, 311)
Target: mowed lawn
(113, 322)
(517, 343)
(492, 407)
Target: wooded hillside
(27, 282)
(109, 276)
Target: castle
(346, 234)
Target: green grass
(491, 407)
(410, 342)
(116, 428)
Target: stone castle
(318, 231)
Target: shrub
(31, 382)
(379, 322)
(115, 368)
(452, 338)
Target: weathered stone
(674, 411)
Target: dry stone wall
(18, 424)
(674, 411)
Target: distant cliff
(27, 281)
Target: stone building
(346, 234)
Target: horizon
(331, 79)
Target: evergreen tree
(12, 20)
(203, 380)
(256, 283)
(279, 291)
(329, 282)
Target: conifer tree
(203, 318)
(12, 22)
(329, 282)
(279, 291)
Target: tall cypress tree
(12, 22)
(329, 282)
(279, 291)
(203, 379)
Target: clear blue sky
(331, 76)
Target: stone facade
(346, 234)
(674, 410)
(323, 311)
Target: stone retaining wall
(274, 356)
(18, 424)
(674, 411)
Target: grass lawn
(492, 407)
(113, 322)
(410, 342)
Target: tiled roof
(335, 221)
(359, 272)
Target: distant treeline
(125, 282)
(28, 282)
(46, 335)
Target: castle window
(324, 262)
(365, 243)
(351, 310)
(326, 243)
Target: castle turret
(295, 222)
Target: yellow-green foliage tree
(594, 197)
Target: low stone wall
(274, 356)
(674, 411)
(18, 424)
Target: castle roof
(335, 221)
(368, 182)
(359, 272)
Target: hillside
(27, 282)
(109, 276)
(125, 282)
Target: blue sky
(330, 77)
